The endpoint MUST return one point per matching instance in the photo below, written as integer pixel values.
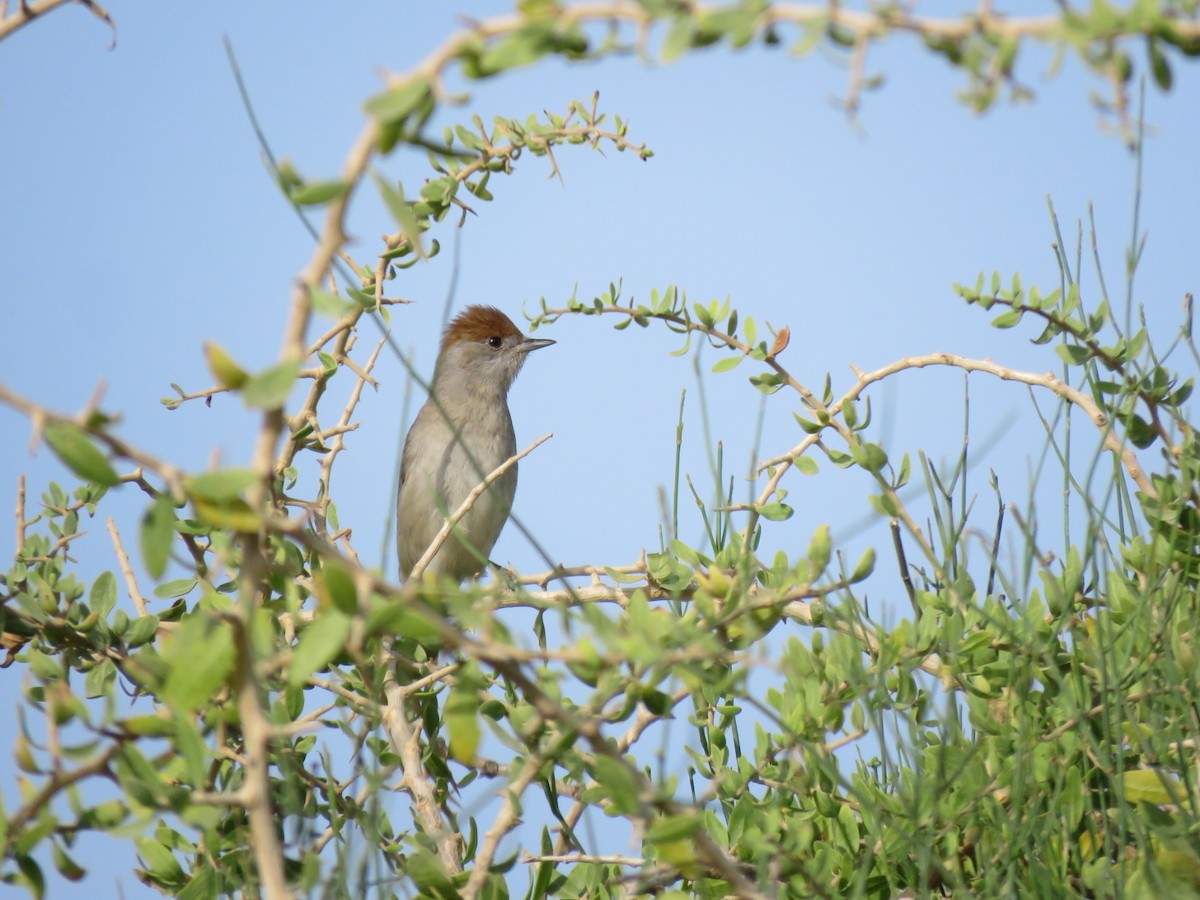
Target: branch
(256, 735)
(586, 858)
(406, 740)
(26, 12)
(40, 415)
(419, 568)
(649, 799)
(505, 821)
(20, 514)
(60, 781)
(131, 584)
(1112, 441)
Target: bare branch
(427, 557)
(26, 12)
(135, 595)
(506, 819)
(256, 734)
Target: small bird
(462, 433)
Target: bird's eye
(495, 342)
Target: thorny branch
(406, 740)
(27, 11)
(778, 466)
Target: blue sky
(139, 221)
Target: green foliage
(258, 713)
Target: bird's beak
(530, 344)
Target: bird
(461, 434)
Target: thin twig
(61, 781)
(991, 582)
(139, 602)
(465, 507)
(898, 542)
(587, 858)
(40, 416)
(21, 523)
(506, 819)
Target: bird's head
(483, 347)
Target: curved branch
(26, 12)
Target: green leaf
(1007, 319)
(618, 782)
(678, 39)
(141, 630)
(328, 304)
(201, 655)
(67, 867)
(840, 459)
(870, 456)
(807, 426)
(148, 726)
(866, 565)
(728, 363)
(270, 388)
(403, 213)
(335, 587)
(227, 372)
(673, 828)
(157, 535)
(99, 680)
(545, 869)
(398, 619)
(202, 886)
(75, 449)
(103, 595)
(1140, 434)
(1073, 354)
(767, 382)
(397, 103)
(518, 49)
(462, 714)
(884, 504)
(440, 190)
(775, 512)
(807, 465)
(140, 780)
(319, 643)
(1149, 786)
(820, 550)
(192, 750)
(235, 515)
(750, 330)
(622, 577)
(318, 192)
(224, 484)
(31, 872)
(161, 864)
(176, 588)
(1159, 65)
(656, 701)
(429, 875)
(329, 365)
